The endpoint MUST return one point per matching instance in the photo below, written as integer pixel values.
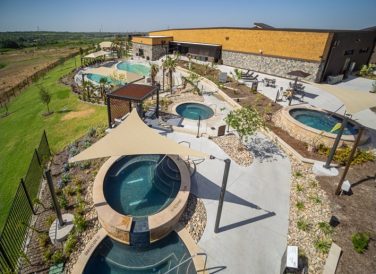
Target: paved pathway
(254, 224)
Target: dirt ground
(356, 213)
(20, 64)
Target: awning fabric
(134, 137)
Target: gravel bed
(194, 217)
(230, 145)
(314, 209)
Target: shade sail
(354, 100)
(96, 54)
(134, 137)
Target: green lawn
(20, 132)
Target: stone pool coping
(162, 223)
(192, 247)
(308, 134)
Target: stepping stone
(332, 260)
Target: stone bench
(332, 260)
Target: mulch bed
(356, 213)
(45, 214)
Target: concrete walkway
(254, 223)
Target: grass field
(20, 132)
(17, 65)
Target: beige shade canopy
(96, 54)
(134, 137)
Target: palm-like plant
(170, 64)
(102, 83)
(154, 68)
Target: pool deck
(254, 224)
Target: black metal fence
(13, 235)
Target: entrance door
(346, 67)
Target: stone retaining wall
(272, 65)
(152, 52)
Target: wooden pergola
(119, 101)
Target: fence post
(5, 256)
(27, 196)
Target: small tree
(45, 97)
(170, 64)
(246, 121)
(364, 70)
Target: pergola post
(54, 199)
(222, 194)
(157, 109)
(109, 111)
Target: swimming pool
(97, 77)
(135, 68)
(321, 120)
(113, 257)
(194, 111)
(141, 185)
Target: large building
(274, 51)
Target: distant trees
(45, 98)
(118, 46)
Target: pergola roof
(134, 137)
(135, 92)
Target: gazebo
(98, 56)
(119, 101)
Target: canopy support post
(222, 194)
(336, 142)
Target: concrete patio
(254, 223)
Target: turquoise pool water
(139, 186)
(97, 77)
(112, 257)
(321, 120)
(194, 111)
(135, 68)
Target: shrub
(323, 245)
(50, 219)
(316, 199)
(299, 187)
(80, 208)
(79, 222)
(87, 144)
(43, 239)
(72, 150)
(312, 183)
(303, 225)
(65, 178)
(300, 205)
(342, 155)
(47, 254)
(69, 190)
(360, 241)
(298, 174)
(85, 165)
(57, 257)
(63, 201)
(70, 244)
(325, 228)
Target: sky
(147, 15)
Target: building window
(363, 50)
(349, 52)
(336, 43)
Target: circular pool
(111, 256)
(321, 120)
(313, 125)
(140, 198)
(141, 185)
(139, 69)
(194, 111)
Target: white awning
(133, 137)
